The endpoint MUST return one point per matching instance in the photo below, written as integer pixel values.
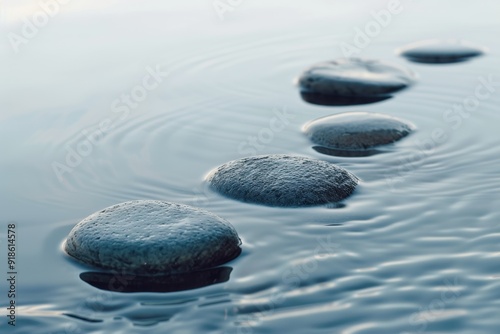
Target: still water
(415, 249)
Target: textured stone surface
(440, 51)
(355, 77)
(283, 180)
(356, 130)
(148, 237)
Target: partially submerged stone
(353, 77)
(148, 237)
(283, 180)
(352, 131)
(440, 51)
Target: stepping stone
(283, 181)
(355, 131)
(440, 51)
(148, 237)
(355, 77)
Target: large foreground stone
(148, 237)
(355, 77)
(283, 180)
(356, 130)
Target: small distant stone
(353, 77)
(440, 51)
(283, 181)
(356, 130)
(148, 237)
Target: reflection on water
(166, 283)
(437, 61)
(329, 100)
(423, 225)
(346, 153)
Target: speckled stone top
(283, 180)
(355, 77)
(357, 130)
(148, 237)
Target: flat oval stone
(440, 51)
(283, 180)
(148, 237)
(349, 77)
(356, 130)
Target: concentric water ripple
(415, 249)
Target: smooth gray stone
(355, 77)
(283, 180)
(440, 51)
(148, 237)
(357, 130)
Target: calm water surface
(415, 249)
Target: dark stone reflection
(331, 100)
(438, 61)
(117, 282)
(346, 153)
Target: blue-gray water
(417, 247)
